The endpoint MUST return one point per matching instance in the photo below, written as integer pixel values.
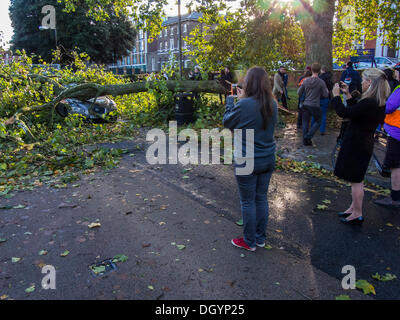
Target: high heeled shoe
(344, 214)
(357, 221)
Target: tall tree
(103, 41)
(250, 36)
(316, 20)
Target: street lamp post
(180, 38)
(55, 33)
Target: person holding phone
(258, 111)
(358, 139)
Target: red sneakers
(240, 243)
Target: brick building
(148, 57)
(168, 42)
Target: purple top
(392, 105)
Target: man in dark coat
(352, 78)
(226, 81)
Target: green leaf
(151, 287)
(3, 240)
(98, 269)
(365, 286)
(30, 289)
(120, 258)
(386, 277)
(19, 207)
(268, 247)
(15, 260)
(322, 207)
(181, 246)
(342, 297)
(65, 253)
(43, 252)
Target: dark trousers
(308, 113)
(284, 101)
(299, 115)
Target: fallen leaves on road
(15, 259)
(30, 289)
(65, 253)
(342, 297)
(365, 286)
(9, 207)
(322, 207)
(43, 252)
(120, 258)
(94, 225)
(386, 277)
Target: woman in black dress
(358, 141)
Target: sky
(5, 22)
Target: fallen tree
(88, 91)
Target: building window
(135, 59)
(166, 45)
(153, 64)
(165, 32)
(172, 31)
(128, 60)
(141, 34)
(161, 46)
(171, 44)
(185, 28)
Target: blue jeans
(253, 191)
(324, 109)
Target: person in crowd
(325, 75)
(392, 159)
(393, 82)
(358, 140)
(226, 81)
(279, 86)
(352, 78)
(197, 74)
(307, 74)
(256, 110)
(285, 84)
(314, 88)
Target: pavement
(290, 145)
(175, 223)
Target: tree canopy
(330, 27)
(103, 41)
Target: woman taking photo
(358, 141)
(256, 110)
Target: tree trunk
(318, 31)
